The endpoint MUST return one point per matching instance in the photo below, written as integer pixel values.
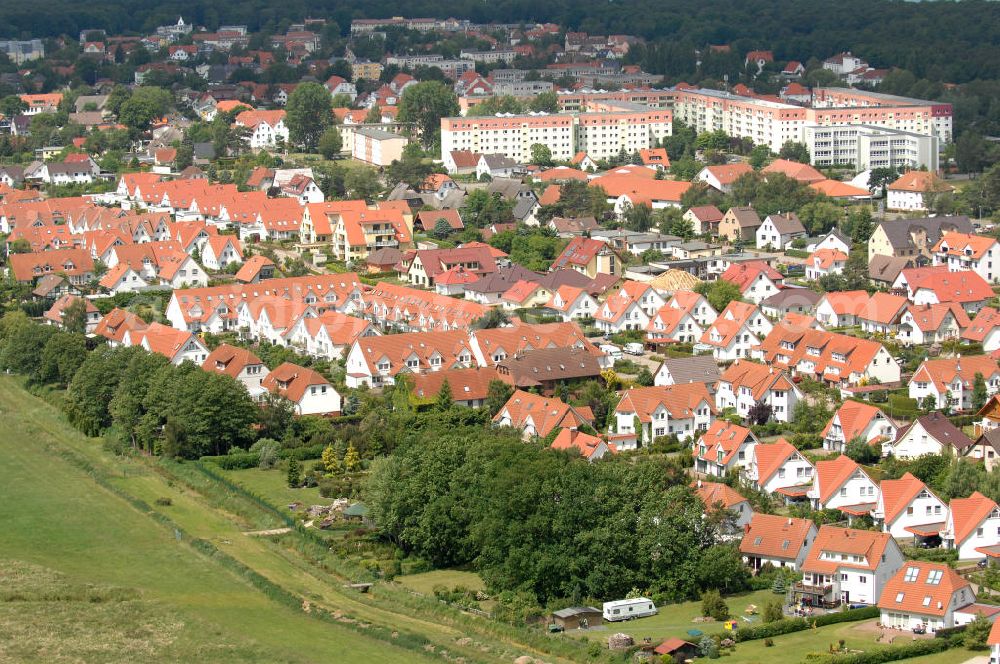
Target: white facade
(741, 398)
(318, 400)
(925, 508)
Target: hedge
(892, 654)
(789, 625)
(234, 461)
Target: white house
(780, 467)
(848, 566)
(735, 332)
(841, 482)
(716, 495)
(310, 393)
(929, 434)
(779, 540)
(951, 381)
(745, 384)
(777, 230)
(572, 303)
(924, 594)
(931, 323)
(823, 262)
(238, 363)
(266, 128)
(723, 449)
(972, 522)
(653, 412)
(906, 507)
(855, 419)
(220, 251)
(964, 251)
(176, 345)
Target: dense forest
(942, 41)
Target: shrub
(772, 611)
(713, 605)
(893, 654)
(164, 501)
(240, 461)
(789, 625)
(768, 642)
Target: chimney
(699, 484)
(789, 521)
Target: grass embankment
(387, 623)
(173, 604)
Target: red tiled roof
(898, 494)
(775, 536)
(868, 544)
(914, 589)
(967, 513)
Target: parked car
(634, 348)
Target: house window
(934, 577)
(843, 577)
(911, 574)
(899, 597)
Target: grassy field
(272, 486)
(424, 583)
(57, 520)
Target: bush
(772, 612)
(713, 605)
(240, 461)
(768, 642)
(789, 625)
(164, 501)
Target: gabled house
(883, 314)
(648, 413)
(790, 300)
(695, 369)
(590, 447)
(723, 176)
(928, 434)
(914, 238)
(469, 387)
(964, 251)
(777, 230)
(723, 449)
(984, 329)
(176, 345)
(238, 363)
(841, 482)
(739, 328)
(56, 314)
(912, 190)
(924, 594)
(951, 381)
(856, 419)
(538, 416)
(309, 392)
(823, 262)
(847, 566)
(779, 467)
(756, 280)
(589, 257)
(779, 540)
(930, 285)
(906, 507)
(745, 384)
(220, 251)
(932, 323)
(670, 325)
(972, 523)
(377, 360)
(572, 303)
(739, 224)
(842, 308)
(704, 219)
(718, 496)
(695, 304)
(827, 356)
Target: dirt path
(272, 531)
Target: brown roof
(465, 384)
(532, 368)
(291, 381)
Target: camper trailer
(627, 609)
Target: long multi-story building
(868, 147)
(772, 123)
(603, 133)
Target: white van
(627, 609)
(612, 351)
(634, 348)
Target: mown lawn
(190, 609)
(272, 486)
(424, 583)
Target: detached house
(756, 280)
(738, 329)
(238, 363)
(929, 434)
(739, 224)
(964, 251)
(906, 507)
(842, 308)
(972, 523)
(704, 219)
(572, 303)
(310, 393)
(914, 238)
(220, 251)
(590, 447)
(932, 323)
(696, 369)
(777, 230)
(723, 449)
(847, 566)
(647, 413)
(176, 345)
(931, 285)
(951, 381)
(984, 329)
(538, 416)
(779, 467)
(718, 496)
(722, 177)
(589, 257)
(912, 190)
(671, 325)
(924, 594)
(745, 384)
(842, 483)
(822, 262)
(267, 128)
(779, 540)
(855, 419)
